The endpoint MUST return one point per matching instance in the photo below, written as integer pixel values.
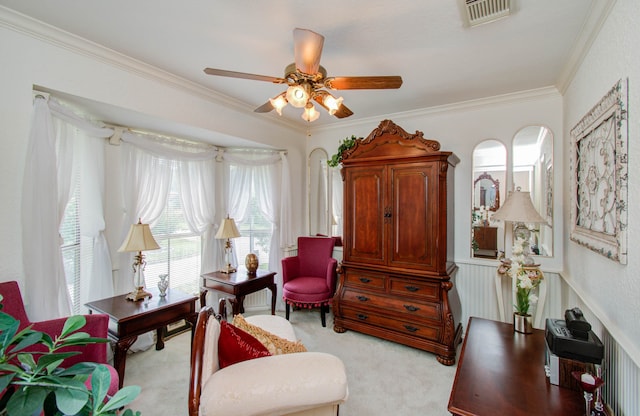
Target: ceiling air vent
(477, 12)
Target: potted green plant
(33, 383)
(345, 144)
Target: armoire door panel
(364, 215)
(414, 188)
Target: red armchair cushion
(308, 290)
(235, 345)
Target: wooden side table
(129, 319)
(501, 372)
(239, 284)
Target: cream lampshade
(228, 230)
(519, 209)
(138, 239)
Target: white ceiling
(440, 61)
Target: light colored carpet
(384, 378)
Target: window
(180, 252)
(71, 253)
(256, 233)
(77, 255)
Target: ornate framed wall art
(598, 166)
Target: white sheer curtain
(97, 281)
(270, 176)
(46, 288)
(64, 142)
(145, 188)
(198, 193)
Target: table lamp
(519, 210)
(228, 230)
(139, 239)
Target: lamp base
(138, 294)
(228, 269)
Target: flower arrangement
(528, 276)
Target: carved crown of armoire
(397, 275)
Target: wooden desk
(128, 319)
(502, 373)
(239, 284)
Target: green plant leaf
(28, 340)
(123, 397)
(100, 381)
(72, 324)
(26, 401)
(8, 328)
(83, 368)
(71, 400)
(47, 359)
(5, 379)
(82, 340)
(26, 361)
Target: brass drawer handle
(410, 328)
(361, 316)
(363, 298)
(412, 288)
(411, 308)
(365, 280)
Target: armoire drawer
(394, 305)
(403, 287)
(392, 322)
(368, 280)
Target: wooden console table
(128, 319)
(501, 372)
(239, 284)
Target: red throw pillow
(235, 345)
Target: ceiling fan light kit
(298, 95)
(310, 113)
(306, 80)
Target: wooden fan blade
(264, 108)
(307, 49)
(364, 83)
(342, 112)
(244, 75)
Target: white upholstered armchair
(303, 383)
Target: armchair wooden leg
(287, 308)
(322, 317)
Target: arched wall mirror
(533, 172)
(318, 193)
(489, 178)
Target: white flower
(533, 299)
(524, 282)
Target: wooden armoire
(396, 280)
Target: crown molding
(52, 35)
(596, 19)
(509, 98)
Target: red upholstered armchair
(96, 326)
(309, 279)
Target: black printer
(572, 338)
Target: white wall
(612, 290)
(86, 71)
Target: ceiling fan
(308, 82)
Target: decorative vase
(251, 263)
(163, 284)
(522, 323)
